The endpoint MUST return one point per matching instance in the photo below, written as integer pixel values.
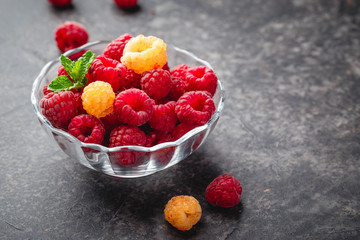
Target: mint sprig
(77, 72)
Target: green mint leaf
(68, 65)
(77, 72)
(61, 83)
(85, 61)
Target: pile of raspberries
(157, 106)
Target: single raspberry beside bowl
(224, 191)
(156, 83)
(124, 135)
(87, 129)
(107, 70)
(115, 48)
(133, 107)
(70, 35)
(195, 108)
(59, 108)
(182, 212)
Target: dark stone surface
(290, 130)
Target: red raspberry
(202, 79)
(133, 107)
(62, 71)
(180, 130)
(132, 79)
(195, 108)
(87, 128)
(179, 83)
(156, 83)
(110, 121)
(162, 156)
(59, 108)
(164, 117)
(179, 70)
(70, 35)
(126, 3)
(115, 48)
(224, 191)
(127, 135)
(60, 3)
(156, 137)
(166, 67)
(107, 70)
(78, 103)
(45, 89)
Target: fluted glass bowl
(100, 158)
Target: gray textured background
(290, 130)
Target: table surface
(289, 132)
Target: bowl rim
(35, 103)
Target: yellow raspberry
(98, 98)
(143, 54)
(182, 212)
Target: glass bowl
(100, 158)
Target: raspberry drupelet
(133, 107)
(224, 191)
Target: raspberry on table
(87, 129)
(70, 35)
(133, 107)
(164, 117)
(107, 70)
(124, 135)
(202, 79)
(126, 3)
(60, 3)
(98, 98)
(156, 83)
(195, 108)
(143, 54)
(59, 108)
(115, 48)
(224, 191)
(182, 212)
